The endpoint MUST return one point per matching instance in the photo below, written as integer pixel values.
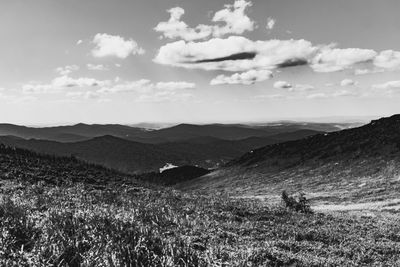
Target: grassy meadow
(127, 225)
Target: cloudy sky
(127, 61)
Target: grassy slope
(23, 165)
(59, 211)
(353, 166)
(339, 183)
(44, 225)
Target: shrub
(301, 204)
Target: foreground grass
(79, 225)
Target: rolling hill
(182, 132)
(135, 157)
(74, 133)
(221, 131)
(20, 165)
(108, 151)
(353, 165)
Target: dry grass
(43, 225)
(372, 184)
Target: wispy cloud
(387, 85)
(147, 91)
(348, 82)
(60, 83)
(245, 78)
(270, 23)
(99, 67)
(293, 88)
(67, 69)
(282, 85)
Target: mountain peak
(392, 119)
(379, 138)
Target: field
(368, 184)
(120, 225)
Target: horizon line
(323, 119)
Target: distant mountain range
(74, 133)
(137, 150)
(134, 157)
(82, 132)
(360, 163)
(331, 166)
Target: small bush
(301, 204)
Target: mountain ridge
(359, 164)
(135, 157)
(82, 132)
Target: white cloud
(147, 91)
(116, 46)
(232, 16)
(344, 93)
(67, 69)
(246, 78)
(235, 19)
(84, 95)
(387, 85)
(335, 59)
(99, 67)
(143, 90)
(367, 71)
(66, 81)
(59, 83)
(236, 53)
(239, 54)
(318, 96)
(388, 59)
(145, 86)
(348, 82)
(302, 87)
(282, 85)
(174, 85)
(175, 28)
(130, 86)
(361, 71)
(164, 96)
(79, 42)
(36, 88)
(270, 23)
(340, 93)
(293, 88)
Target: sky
(130, 61)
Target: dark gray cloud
(292, 63)
(238, 56)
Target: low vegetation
(64, 212)
(79, 225)
(297, 203)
